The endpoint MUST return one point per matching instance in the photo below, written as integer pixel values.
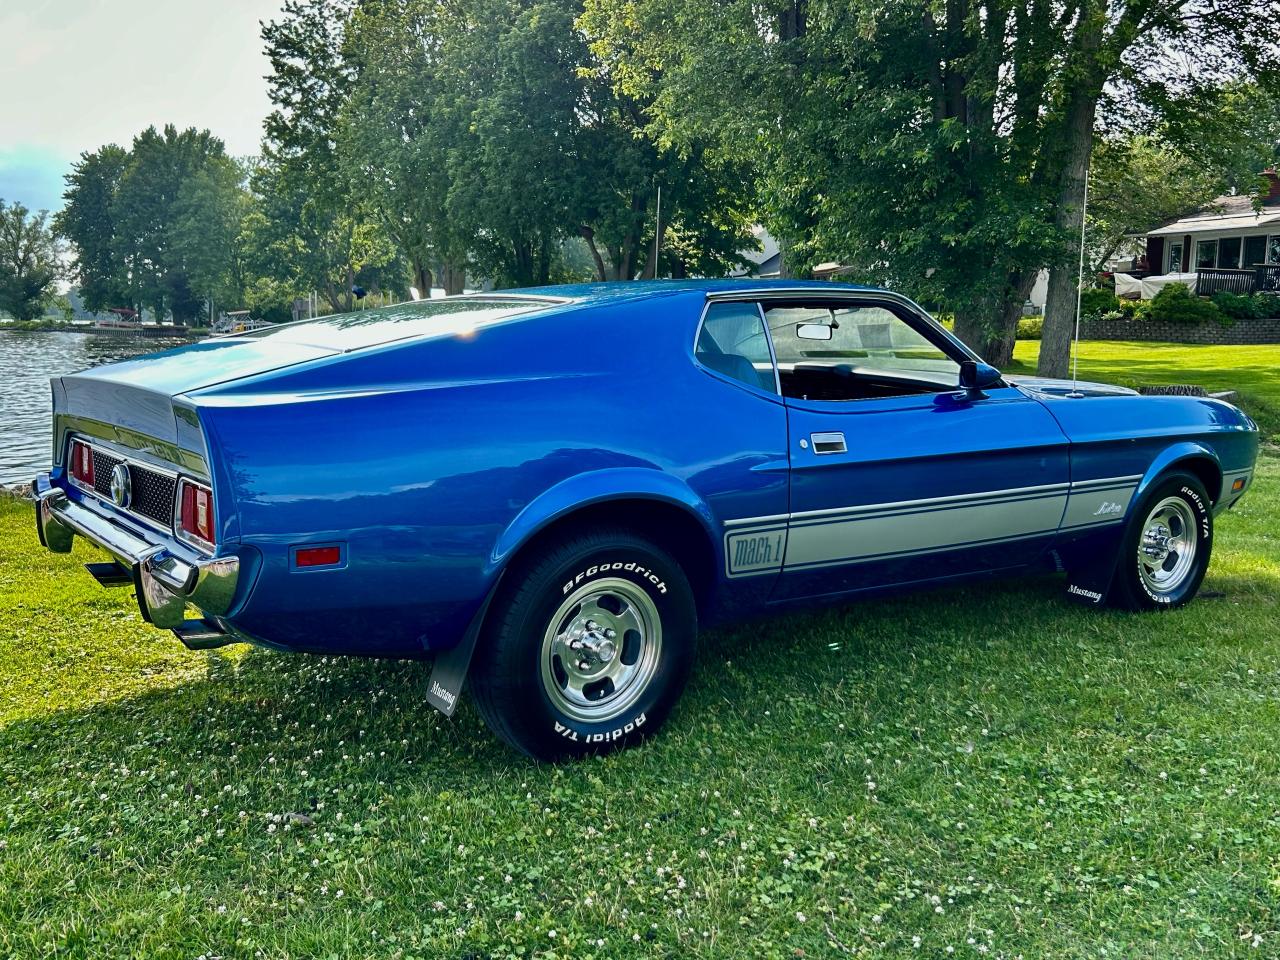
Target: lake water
(27, 362)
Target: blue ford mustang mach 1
(549, 491)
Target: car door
(898, 475)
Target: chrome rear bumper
(165, 583)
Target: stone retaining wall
(1240, 331)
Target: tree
(873, 129)
(145, 210)
(87, 221)
(123, 211)
(1170, 57)
(207, 232)
(484, 133)
(315, 226)
(1136, 183)
(398, 128)
(937, 149)
(28, 261)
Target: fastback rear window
(423, 318)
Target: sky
(77, 74)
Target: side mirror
(976, 375)
(813, 331)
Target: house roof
(1225, 213)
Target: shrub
(1177, 304)
(1237, 306)
(1266, 304)
(1029, 328)
(1094, 302)
(1135, 309)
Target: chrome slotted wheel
(1167, 547)
(600, 650)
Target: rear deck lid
(222, 359)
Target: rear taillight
(82, 463)
(195, 513)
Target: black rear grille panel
(152, 491)
(152, 494)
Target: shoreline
(170, 333)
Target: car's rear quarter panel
(418, 457)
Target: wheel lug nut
(610, 634)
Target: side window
(732, 342)
(855, 351)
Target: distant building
(766, 263)
(1225, 235)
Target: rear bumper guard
(164, 583)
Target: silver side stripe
(817, 538)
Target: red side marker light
(318, 556)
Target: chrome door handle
(828, 443)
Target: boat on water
(124, 321)
(236, 322)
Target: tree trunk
(984, 333)
(992, 333)
(589, 235)
(454, 278)
(1062, 299)
(422, 280)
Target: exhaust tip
(202, 635)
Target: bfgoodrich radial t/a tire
(588, 647)
(1166, 546)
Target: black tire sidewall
(1192, 492)
(533, 722)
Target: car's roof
(638, 289)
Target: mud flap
(1090, 563)
(449, 672)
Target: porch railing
(1211, 280)
(1249, 280)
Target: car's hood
(1062, 388)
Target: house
(765, 263)
(1228, 244)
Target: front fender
(595, 487)
(1170, 457)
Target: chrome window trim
(191, 539)
(760, 294)
(531, 297)
(773, 359)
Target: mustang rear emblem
(1107, 509)
(120, 485)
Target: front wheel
(587, 648)
(1166, 547)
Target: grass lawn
(987, 772)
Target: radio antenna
(1075, 341)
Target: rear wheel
(1166, 547)
(588, 647)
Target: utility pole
(657, 233)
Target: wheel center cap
(1156, 542)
